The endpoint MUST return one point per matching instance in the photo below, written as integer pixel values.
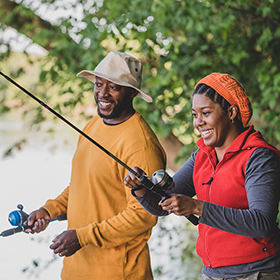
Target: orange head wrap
(231, 90)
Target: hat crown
(121, 69)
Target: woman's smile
(206, 133)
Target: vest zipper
(209, 183)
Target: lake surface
(41, 170)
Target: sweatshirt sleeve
(134, 220)
(57, 206)
(262, 179)
(123, 227)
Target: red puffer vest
(216, 247)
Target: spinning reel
(17, 219)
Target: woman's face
(212, 122)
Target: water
(41, 170)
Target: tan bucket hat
(121, 69)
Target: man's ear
(233, 112)
(133, 93)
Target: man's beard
(118, 109)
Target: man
(108, 230)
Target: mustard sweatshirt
(112, 227)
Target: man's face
(114, 101)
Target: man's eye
(97, 84)
(115, 88)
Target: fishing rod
(70, 124)
(160, 181)
(18, 218)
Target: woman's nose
(198, 121)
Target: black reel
(160, 183)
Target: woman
(235, 176)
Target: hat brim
(91, 75)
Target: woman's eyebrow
(204, 107)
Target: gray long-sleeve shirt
(262, 184)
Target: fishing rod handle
(192, 218)
(145, 181)
(12, 231)
(21, 228)
(61, 217)
(149, 184)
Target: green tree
(178, 42)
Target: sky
(51, 13)
(20, 42)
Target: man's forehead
(104, 80)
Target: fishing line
(70, 124)
(160, 181)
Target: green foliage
(174, 249)
(179, 42)
(15, 146)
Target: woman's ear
(233, 112)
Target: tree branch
(28, 23)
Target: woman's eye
(206, 113)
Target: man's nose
(103, 91)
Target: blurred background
(45, 43)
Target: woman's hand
(182, 205)
(130, 180)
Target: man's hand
(131, 180)
(66, 244)
(39, 220)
